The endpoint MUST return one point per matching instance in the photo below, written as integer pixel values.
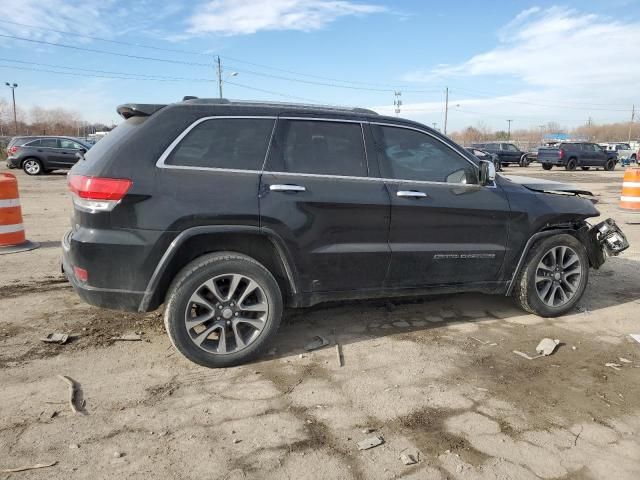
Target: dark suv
(226, 212)
(507, 153)
(37, 155)
(577, 154)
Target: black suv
(227, 212)
(507, 153)
(37, 155)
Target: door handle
(411, 194)
(287, 188)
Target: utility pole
(541, 134)
(219, 71)
(397, 103)
(509, 130)
(13, 94)
(633, 116)
(446, 109)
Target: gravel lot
(435, 377)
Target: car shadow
(348, 322)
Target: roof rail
(224, 101)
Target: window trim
(163, 157)
(160, 163)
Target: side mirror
(487, 172)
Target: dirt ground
(436, 377)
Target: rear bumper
(114, 270)
(13, 162)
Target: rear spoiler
(129, 110)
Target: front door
(67, 152)
(316, 195)
(445, 228)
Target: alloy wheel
(226, 314)
(558, 276)
(32, 167)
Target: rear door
(317, 196)
(67, 152)
(445, 228)
(49, 149)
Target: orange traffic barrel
(630, 197)
(12, 237)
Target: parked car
(626, 155)
(571, 155)
(15, 141)
(507, 153)
(226, 212)
(484, 155)
(37, 155)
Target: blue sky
(530, 62)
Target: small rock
(401, 324)
(118, 454)
(371, 442)
(408, 459)
(236, 440)
(368, 430)
(74, 446)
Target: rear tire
(585, 168)
(226, 295)
(547, 166)
(610, 165)
(550, 284)
(32, 166)
(571, 164)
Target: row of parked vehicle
(570, 155)
(42, 154)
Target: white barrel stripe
(631, 184)
(16, 227)
(629, 199)
(15, 202)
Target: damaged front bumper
(605, 240)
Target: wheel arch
(31, 157)
(579, 230)
(260, 244)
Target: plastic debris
(484, 342)
(316, 343)
(615, 366)
(547, 346)
(371, 442)
(635, 336)
(624, 360)
(60, 338)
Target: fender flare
(535, 237)
(185, 235)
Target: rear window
(115, 136)
(234, 143)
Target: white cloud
(557, 55)
(230, 17)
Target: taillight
(97, 194)
(14, 149)
(561, 153)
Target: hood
(547, 186)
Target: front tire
(554, 276)
(585, 168)
(610, 165)
(32, 166)
(547, 166)
(223, 309)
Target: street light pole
(509, 131)
(13, 94)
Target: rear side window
(236, 143)
(319, 147)
(49, 142)
(35, 143)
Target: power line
(101, 39)
(107, 52)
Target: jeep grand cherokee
(226, 212)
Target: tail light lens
(561, 153)
(13, 150)
(97, 194)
